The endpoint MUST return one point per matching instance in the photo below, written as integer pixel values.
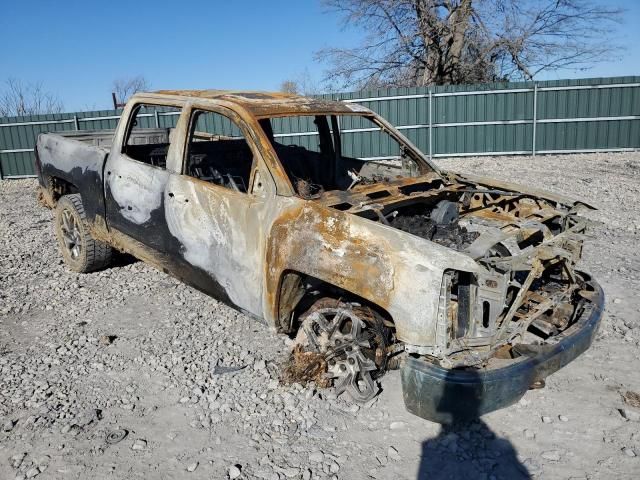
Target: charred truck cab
(373, 258)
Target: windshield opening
(321, 153)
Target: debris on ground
(116, 436)
(304, 367)
(632, 399)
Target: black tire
(79, 250)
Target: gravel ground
(129, 351)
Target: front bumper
(447, 396)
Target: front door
(217, 209)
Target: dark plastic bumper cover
(447, 396)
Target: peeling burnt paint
(136, 189)
(267, 104)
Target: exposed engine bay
(441, 225)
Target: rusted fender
(400, 272)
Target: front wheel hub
(353, 352)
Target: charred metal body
(462, 272)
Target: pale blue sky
(77, 48)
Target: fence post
(75, 122)
(430, 125)
(157, 118)
(535, 118)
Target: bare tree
(422, 42)
(19, 98)
(123, 88)
(289, 86)
(305, 84)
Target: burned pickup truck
(323, 220)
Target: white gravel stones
(16, 460)
(551, 455)
(8, 426)
(630, 414)
(563, 418)
(32, 472)
(397, 425)
(171, 343)
(290, 472)
(192, 466)
(139, 444)
(234, 472)
(316, 456)
(393, 454)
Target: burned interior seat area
(319, 162)
(217, 151)
(222, 162)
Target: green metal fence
(563, 116)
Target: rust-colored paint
(266, 104)
(318, 242)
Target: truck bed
(77, 159)
(104, 138)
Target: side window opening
(217, 151)
(149, 134)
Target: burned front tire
(352, 343)
(79, 250)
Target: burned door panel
(135, 179)
(218, 232)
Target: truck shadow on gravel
(466, 447)
(121, 259)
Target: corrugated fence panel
(17, 142)
(571, 115)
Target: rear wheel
(353, 342)
(79, 250)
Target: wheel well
(299, 291)
(57, 187)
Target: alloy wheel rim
(71, 234)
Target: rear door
(136, 175)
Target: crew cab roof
(266, 104)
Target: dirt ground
(86, 359)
